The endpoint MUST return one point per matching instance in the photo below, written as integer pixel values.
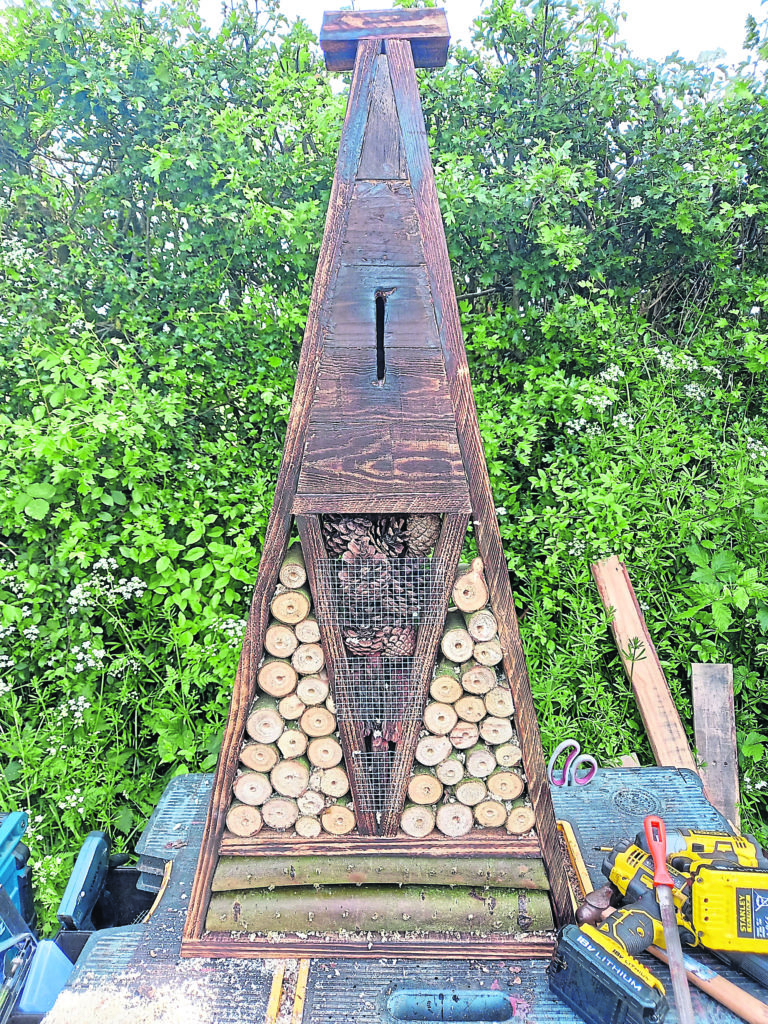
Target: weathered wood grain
(484, 515)
(427, 31)
(382, 156)
(714, 729)
(386, 501)
(666, 734)
(278, 527)
(428, 948)
(381, 228)
(491, 844)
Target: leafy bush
(161, 203)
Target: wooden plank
(428, 948)
(381, 454)
(278, 526)
(426, 29)
(484, 515)
(382, 229)
(350, 733)
(642, 666)
(384, 501)
(382, 157)
(409, 317)
(447, 553)
(714, 729)
(480, 842)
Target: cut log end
(244, 820)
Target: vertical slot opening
(381, 366)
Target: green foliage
(162, 197)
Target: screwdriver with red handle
(656, 835)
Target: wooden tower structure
(383, 432)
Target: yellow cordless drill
(720, 893)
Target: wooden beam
(483, 509)
(278, 527)
(714, 728)
(642, 666)
(426, 30)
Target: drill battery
(603, 986)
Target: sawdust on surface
(133, 997)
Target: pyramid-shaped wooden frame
(362, 440)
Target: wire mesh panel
(374, 774)
(373, 591)
(376, 689)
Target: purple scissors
(569, 776)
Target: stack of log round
(467, 773)
(292, 775)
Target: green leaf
(740, 598)
(697, 555)
(12, 771)
(37, 508)
(721, 616)
(123, 819)
(162, 564)
(194, 553)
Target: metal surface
(613, 806)
(680, 988)
(137, 968)
(355, 993)
(143, 959)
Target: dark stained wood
(278, 528)
(360, 504)
(350, 733)
(426, 29)
(484, 514)
(714, 727)
(661, 718)
(410, 318)
(337, 459)
(485, 842)
(402, 443)
(366, 434)
(447, 553)
(427, 948)
(382, 156)
(382, 229)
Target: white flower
(694, 391)
(635, 201)
(623, 419)
(611, 374)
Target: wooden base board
(427, 948)
(480, 843)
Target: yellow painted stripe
(275, 994)
(577, 861)
(301, 992)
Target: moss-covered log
(371, 908)
(262, 872)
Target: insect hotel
(381, 787)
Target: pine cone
(363, 640)
(421, 533)
(339, 531)
(399, 641)
(388, 535)
(366, 575)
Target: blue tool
(569, 775)
(85, 883)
